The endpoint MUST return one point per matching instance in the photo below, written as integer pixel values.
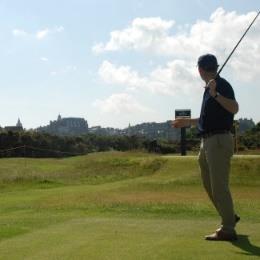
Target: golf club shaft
(237, 44)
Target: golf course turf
(121, 206)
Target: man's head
(208, 65)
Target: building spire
(19, 124)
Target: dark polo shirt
(213, 117)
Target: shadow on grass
(244, 243)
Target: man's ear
(201, 71)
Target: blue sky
(119, 62)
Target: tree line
(34, 144)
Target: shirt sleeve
(227, 91)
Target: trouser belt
(216, 132)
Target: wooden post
(183, 113)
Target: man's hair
(208, 62)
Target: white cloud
(44, 59)
(218, 35)
(121, 103)
(144, 33)
(122, 75)
(45, 32)
(176, 77)
(19, 33)
(59, 29)
(40, 34)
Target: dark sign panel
(182, 113)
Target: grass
(121, 206)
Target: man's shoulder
(225, 88)
(223, 82)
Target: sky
(121, 62)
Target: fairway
(121, 206)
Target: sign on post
(183, 113)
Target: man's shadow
(244, 244)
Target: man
(214, 125)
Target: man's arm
(230, 105)
(185, 122)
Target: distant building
(19, 124)
(151, 130)
(71, 126)
(94, 129)
(17, 128)
(66, 126)
(109, 131)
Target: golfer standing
(214, 125)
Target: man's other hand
(181, 122)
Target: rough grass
(121, 206)
(91, 169)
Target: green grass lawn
(121, 206)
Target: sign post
(183, 113)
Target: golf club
(237, 44)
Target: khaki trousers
(214, 160)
